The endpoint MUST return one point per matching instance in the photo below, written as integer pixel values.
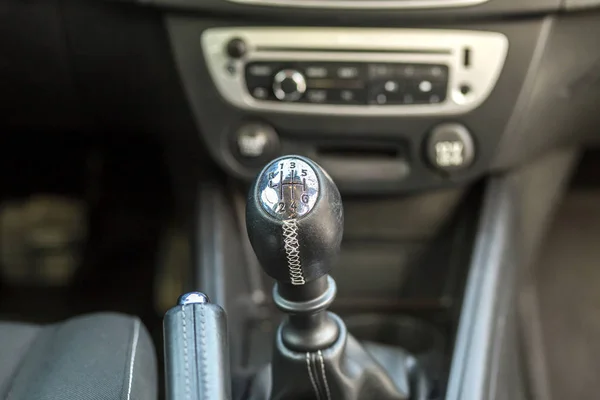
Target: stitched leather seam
(186, 363)
(205, 381)
(134, 345)
(322, 362)
(316, 374)
(291, 245)
(312, 378)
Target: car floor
(567, 277)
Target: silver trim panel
(487, 55)
(472, 345)
(516, 212)
(364, 4)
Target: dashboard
(390, 96)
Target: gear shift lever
(295, 225)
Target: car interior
(299, 199)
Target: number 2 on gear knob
(295, 220)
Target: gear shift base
(309, 333)
(345, 370)
(308, 326)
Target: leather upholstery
(196, 353)
(104, 356)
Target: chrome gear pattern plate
(288, 188)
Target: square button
(316, 71)
(348, 96)
(316, 96)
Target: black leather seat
(104, 356)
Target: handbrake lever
(196, 351)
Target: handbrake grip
(196, 350)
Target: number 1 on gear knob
(295, 220)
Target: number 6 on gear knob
(295, 220)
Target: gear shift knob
(295, 219)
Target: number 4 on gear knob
(295, 220)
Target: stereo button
(438, 93)
(348, 96)
(316, 96)
(347, 72)
(408, 71)
(433, 72)
(259, 80)
(316, 72)
(380, 71)
(351, 71)
(425, 86)
(260, 70)
(434, 99)
(381, 99)
(391, 86)
(407, 99)
(260, 93)
(388, 92)
(427, 92)
(236, 48)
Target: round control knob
(236, 48)
(253, 143)
(450, 148)
(289, 85)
